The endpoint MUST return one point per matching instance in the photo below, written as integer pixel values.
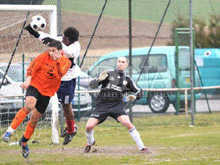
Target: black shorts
(42, 101)
(104, 109)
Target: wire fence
(110, 32)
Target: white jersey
(71, 51)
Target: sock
(70, 126)
(137, 138)
(11, 130)
(23, 139)
(29, 130)
(90, 137)
(19, 117)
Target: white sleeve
(72, 51)
(44, 35)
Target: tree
(206, 36)
(213, 37)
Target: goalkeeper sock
(137, 138)
(29, 130)
(90, 137)
(70, 126)
(19, 117)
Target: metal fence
(103, 27)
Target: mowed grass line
(169, 137)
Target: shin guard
(19, 117)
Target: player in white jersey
(71, 50)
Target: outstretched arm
(32, 31)
(97, 81)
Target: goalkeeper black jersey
(114, 86)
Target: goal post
(12, 19)
(37, 8)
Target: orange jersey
(47, 73)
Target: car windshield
(15, 72)
(107, 64)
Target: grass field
(169, 137)
(147, 10)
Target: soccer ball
(38, 23)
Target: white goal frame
(52, 9)
(47, 8)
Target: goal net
(18, 48)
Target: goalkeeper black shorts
(104, 109)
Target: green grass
(169, 137)
(146, 10)
(203, 8)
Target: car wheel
(158, 102)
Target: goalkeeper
(110, 102)
(71, 49)
(43, 80)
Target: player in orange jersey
(71, 49)
(43, 80)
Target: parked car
(159, 72)
(208, 61)
(83, 80)
(11, 94)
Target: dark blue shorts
(66, 91)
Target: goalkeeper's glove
(131, 97)
(47, 40)
(103, 75)
(31, 31)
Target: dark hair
(72, 33)
(56, 44)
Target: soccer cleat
(25, 149)
(145, 150)
(88, 147)
(68, 137)
(64, 133)
(6, 136)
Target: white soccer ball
(38, 23)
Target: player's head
(70, 35)
(122, 63)
(55, 49)
(55, 44)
